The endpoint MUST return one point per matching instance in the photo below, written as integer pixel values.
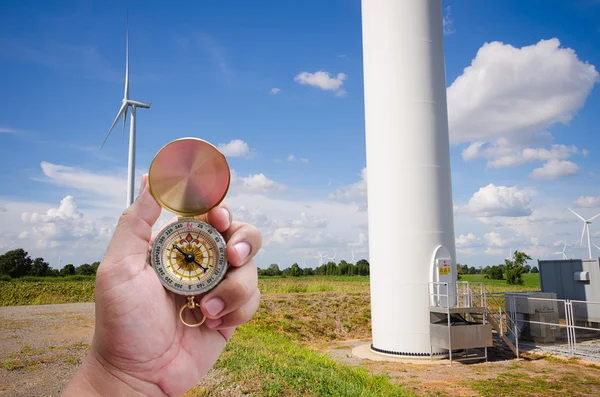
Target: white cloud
(323, 80)
(235, 148)
(554, 169)
(64, 224)
(493, 239)
(304, 160)
(7, 130)
(102, 189)
(275, 91)
(503, 153)
(448, 22)
(354, 193)
(257, 183)
(587, 202)
(493, 200)
(517, 91)
(291, 157)
(467, 240)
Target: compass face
(189, 257)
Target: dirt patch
(534, 375)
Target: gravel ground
(41, 347)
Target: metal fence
(560, 326)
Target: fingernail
(214, 306)
(227, 215)
(213, 322)
(242, 249)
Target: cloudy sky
(278, 87)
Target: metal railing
(476, 295)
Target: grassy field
(40, 291)
(285, 350)
(531, 282)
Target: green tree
(308, 271)
(535, 270)
(85, 270)
(274, 270)
(295, 270)
(16, 263)
(68, 270)
(362, 266)
(95, 266)
(494, 272)
(515, 268)
(527, 268)
(332, 269)
(40, 268)
(321, 270)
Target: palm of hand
(138, 322)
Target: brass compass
(189, 177)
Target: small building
(576, 280)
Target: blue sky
(209, 69)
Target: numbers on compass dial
(189, 257)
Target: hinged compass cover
(189, 177)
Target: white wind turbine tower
(564, 255)
(510, 254)
(353, 260)
(126, 103)
(586, 227)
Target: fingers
(243, 243)
(238, 317)
(236, 288)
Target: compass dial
(189, 257)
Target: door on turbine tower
(444, 273)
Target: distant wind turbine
(333, 257)
(564, 256)
(510, 254)
(126, 103)
(598, 248)
(586, 227)
(353, 260)
(320, 258)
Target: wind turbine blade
(593, 217)
(582, 234)
(594, 244)
(125, 122)
(115, 122)
(126, 94)
(577, 215)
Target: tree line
(511, 270)
(361, 268)
(17, 263)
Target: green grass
(531, 282)
(268, 363)
(73, 289)
(523, 383)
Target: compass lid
(189, 177)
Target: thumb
(131, 239)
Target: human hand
(140, 346)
